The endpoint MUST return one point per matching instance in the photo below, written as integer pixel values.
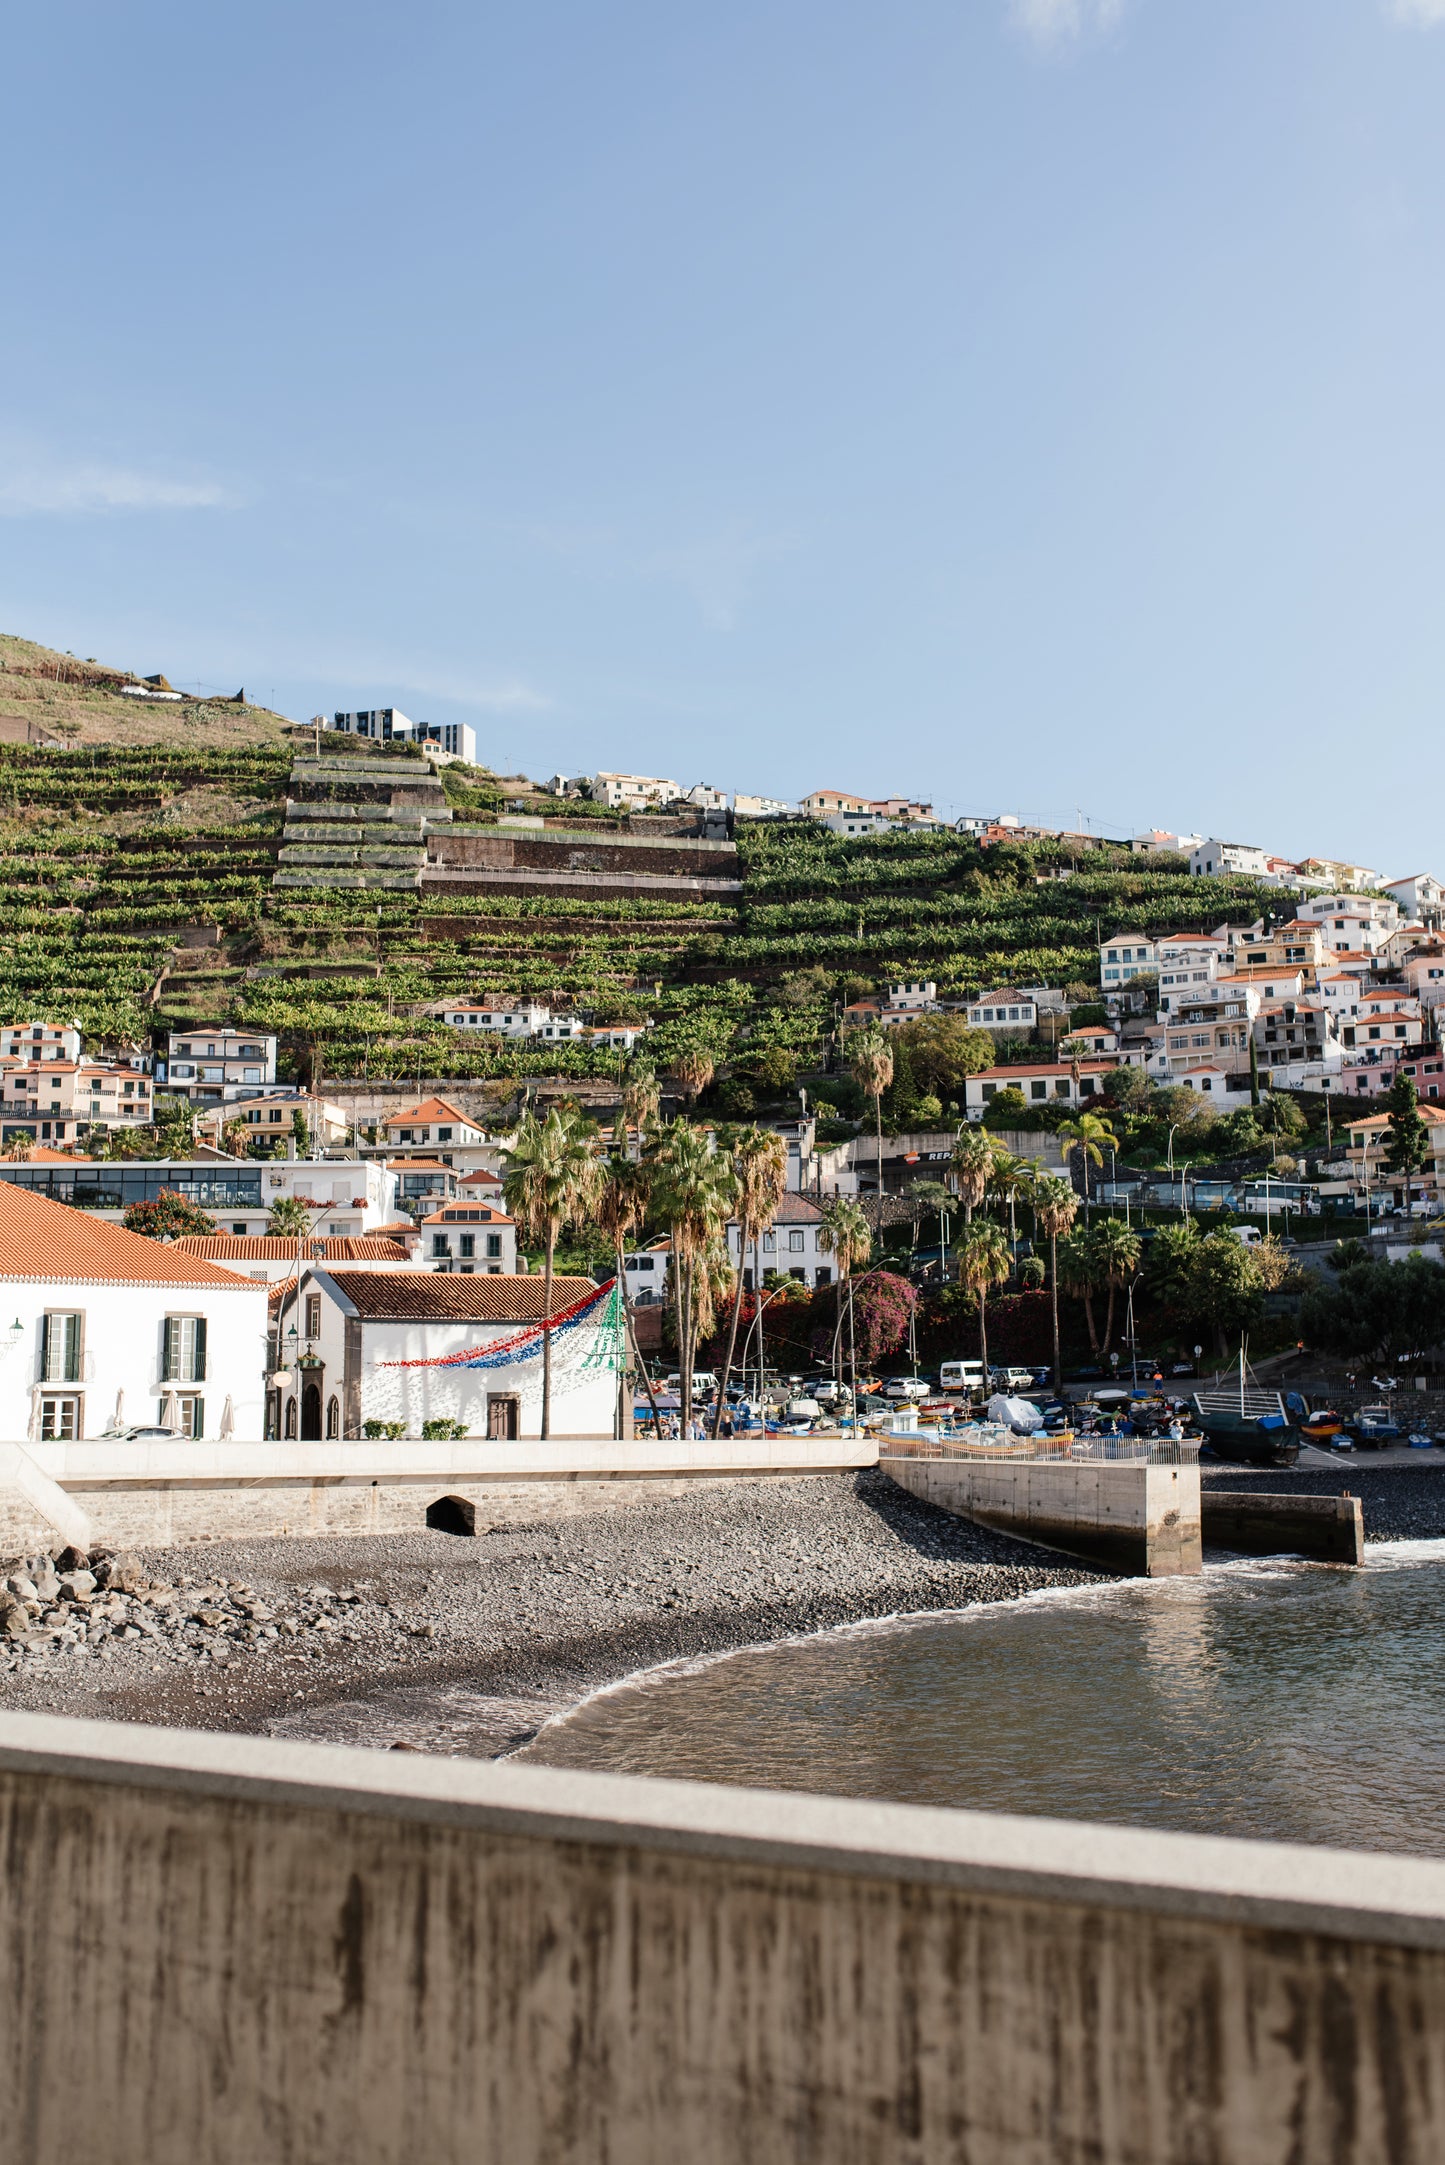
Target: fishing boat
(1248, 1425)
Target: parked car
(907, 1387)
(961, 1376)
(1012, 1379)
(1182, 1368)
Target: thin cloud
(1416, 14)
(35, 487)
(1052, 23)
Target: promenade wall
(232, 1949)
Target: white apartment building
(632, 792)
(1214, 857)
(210, 1065)
(111, 1329)
(1127, 955)
(1417, 895)
(1160, 838)
(1187, 963)
(1351, 921)
(706, 798)
(644, 1273)
(749, 807)
(913, 995)
(385, 725)
(341, 1195)
(63, 1101)
(39, 1041)
(434, 1122)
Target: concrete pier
(1326, 1529)
(231, 1950)
(1135, 1517)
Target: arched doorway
(333, 1416)
(290, 1417)
(311, 1413)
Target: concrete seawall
(1326, 1529)
(233, 1950)
(163, 1492)
(1134, 1517)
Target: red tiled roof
(433, 1296)
(795, 1210)
(430, 1109)
(48, 1240)
(269, 1248)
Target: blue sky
(1031, 404)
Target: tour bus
(964, 1376)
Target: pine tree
(1409, 1143)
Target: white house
(470, 1236)
(864, 822)
(1161, 838)
(1187, 962)
(434, 1121)
(1125, 956)
(425, 1345)
(1214, 857)
(792, 1245)
(1417, 894)
(1006, 1011)
(110, 1329)
(644, 1273)
(746, 806)
(631, 792)
(1037, 1081)
(913, 995)
(213, 1064)
(1352, 921)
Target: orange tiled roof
(48, 1240)
(430, 1109)
(271, 1248)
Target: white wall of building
(120, 1353)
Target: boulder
(77, 1585)
(72, 1559)
(123, 1573)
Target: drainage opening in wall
(452, 1515)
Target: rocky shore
(450, 1644)
(434, 1642)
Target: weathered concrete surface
(156, 1492)
(233, 1950)
(1138, 1518)
(1327, 1529)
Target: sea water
(1278, 1699)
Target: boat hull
(1248, 1443)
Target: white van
(961, 1376)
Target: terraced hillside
(213, 877)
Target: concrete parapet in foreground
(229, 1949)
(1135, 1517)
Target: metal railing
(989, 1443)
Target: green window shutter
(170, 1360)
(45, 1349)
(198, 1369)
(72, 1349)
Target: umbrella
(170, 1412)
(228, 1421)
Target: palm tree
(1116, 1258)
(871, 1062)
(621, 1208)
(551, 1178)
(237, 1138)
(971, 1165)
(760, 1167)
(845, 1234)
(641, 1095)
(693, 1191)
(1079, 1275)
(20, 1146)
(1091, 1137)
(693, 1067)
(1009, 1179)
(287, 1217)
(983, 1261)
(1055, 1206)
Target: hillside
(48, 698)
(151, 877)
